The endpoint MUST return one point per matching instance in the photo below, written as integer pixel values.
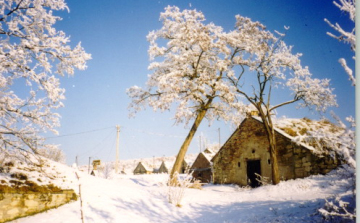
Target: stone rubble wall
(16, 205)
(307, 164)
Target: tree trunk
(272, 143)
(181, 155)
(274, 161)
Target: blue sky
(114, 32)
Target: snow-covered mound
(23, 172)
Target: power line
(97, 146)
(154, 133)
(79, 133)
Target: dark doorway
(253, 166)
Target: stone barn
(141, 168)
(246, 153)
(201, 168)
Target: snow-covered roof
(298, 129)
(208, 156)
(168, 164)
(148, 168)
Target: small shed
(208, 151)
(164, 167)
(246, 153)
(185, 166)
(201, 168)
(167, 166)
(142, 168)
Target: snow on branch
(348, 37)
(31, 49)
(349, 72)
(188, 70)
(194, 63)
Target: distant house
(142, 168)
(185, 166)
(208, 151)
(164, 167)
(201, 168)
(246, 153)
(96, 163)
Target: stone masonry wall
(16, 205)
(306, 163)
(249, 142)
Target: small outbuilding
(185, 166)
(142, 168)
(246, 153)
(164, 167)
(201, 168)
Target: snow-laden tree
(189, 69)
(200, 68)
(105, 170)
(52, 153)
(348, 37)
(344, 144)
(33, 55)
(272, 66)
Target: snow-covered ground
(142, 198)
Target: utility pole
(117, 149)
(89, 165)
(219, 138)
(76, 161)
(200, 143)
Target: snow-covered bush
(175, 194)
(105, 170)
(262, 180)
(342, 207)
(339, 209)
